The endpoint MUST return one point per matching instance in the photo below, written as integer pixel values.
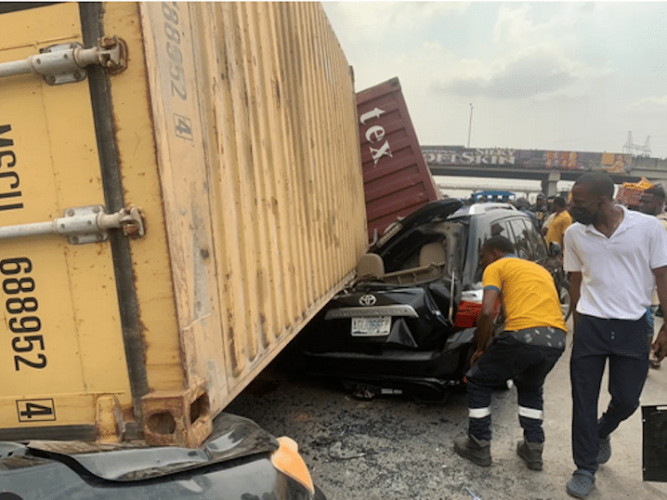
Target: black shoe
(531, 453)
(478, 451)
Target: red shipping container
(397, 180)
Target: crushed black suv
(406, 325)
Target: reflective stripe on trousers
(531, 413)
(479, 412)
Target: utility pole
(470, 126)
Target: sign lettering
(9, 180)
(27, 344)
(375, 134)
(527, 159)
(35, 410)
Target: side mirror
(554, 249)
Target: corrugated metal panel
(61, 328)
(233, 129)
(397, 180)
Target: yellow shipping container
(180, 192)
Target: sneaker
(531, 453)
(478, 451)
(604, 453)
(581, 484)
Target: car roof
(433, 211)
(483, 208)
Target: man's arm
(659, 347)
(575, 293)
(485, 322)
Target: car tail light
(467, 313)
(470, 307)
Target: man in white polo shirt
(614, 256)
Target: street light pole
(470, 125)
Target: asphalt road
(391, 448)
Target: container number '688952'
(171, 20)
(21, 308)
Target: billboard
(529, 159)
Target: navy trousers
(528, 365)
(596, 340)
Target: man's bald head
(597, 184)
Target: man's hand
(575, 292)
(476, 355)
(659, 347)
(485, 319)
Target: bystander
(652, 202)
(609, 246)
(540, 210)
(560, 222)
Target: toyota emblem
(367, 300)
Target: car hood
(431, 212)
(232, 437)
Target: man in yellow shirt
(526, 351)
(560, 222)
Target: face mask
(581, 215)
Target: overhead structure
(637, 150)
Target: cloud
(596, 70)
(650, 103)
(520, 26)
(534, 53)
(378, 19)
(531, 72)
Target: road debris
(336, 452)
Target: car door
(522, 246)
(536, 241)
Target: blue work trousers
(508, 358)
(596, 340)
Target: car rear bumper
(445, 365)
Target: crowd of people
(604, 245)
(543, 212)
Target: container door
(64, 362)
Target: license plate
(371, 327)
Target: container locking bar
(82, 225)
(66, 63)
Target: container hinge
(82, 225)
(66, 63)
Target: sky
(538, 75)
